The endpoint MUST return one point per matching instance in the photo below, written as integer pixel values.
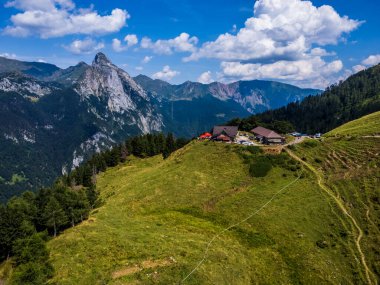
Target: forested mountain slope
(357, 96)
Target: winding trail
(236, 224)
(344, 210)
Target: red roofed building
(267, 136)
(205, 136)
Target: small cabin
(267, 136)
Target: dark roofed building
(224, 132)
(267, 136)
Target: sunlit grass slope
(351, 167)
(158, 217)
(365, 126)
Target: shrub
(260, 167)
(32, 259)
(254, 149)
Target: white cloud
(283, 40)
(41, 60)
(166, 73)
(372, 60)
(358, 68)
(279, 30)
(8, 55)
(130, 40)
(146, 59)
(139, 68)
(85, 46)
(182, 43)
(205, 78)
(42, 5)
(56, 18)
(312, 71)
(117, 45)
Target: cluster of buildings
(229, 134)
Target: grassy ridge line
(236, 224)
(365, 126)
(367, 271)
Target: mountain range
(52, 119)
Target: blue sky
(306, 43)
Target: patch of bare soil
(146, 264)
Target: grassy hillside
(158, 217)
(351, 170)
(367, 125)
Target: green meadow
(368, 125)
(157, 217)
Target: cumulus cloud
(358, 68)
(368, 62)
(205, 77)
(279, 30)
(313, 71)
(372, 60)
(85, 46)
(182, 43)
(130, 41)
(166, 73)
(42, 5)
(56, 18)
(284, 40)
(146, 59)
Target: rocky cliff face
(253, 96)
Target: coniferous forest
(29, 220)
(359, 95)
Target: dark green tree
(53, 215)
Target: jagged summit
(101, 58)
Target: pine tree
(53, 215)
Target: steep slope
(254, 96)
(46, 128)
(159, 216)
(353, 98)
(366, 126)
(348, 161)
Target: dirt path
(344, 210)
(296, 141)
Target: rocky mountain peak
(101, 59)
